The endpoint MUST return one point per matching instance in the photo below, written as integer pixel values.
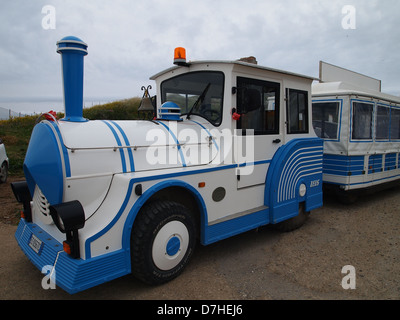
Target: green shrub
(16, 132)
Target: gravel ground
(258, 265)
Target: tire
(3, 172)
(346, 197)
(295, 222)
(162, 242)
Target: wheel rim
(170, 245)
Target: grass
(16, 132)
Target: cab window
(297, 111)
(258, 104)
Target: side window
(395, 124)
(258, 102)
(362, 121)
(297, 111)
(325, 119)
(382, 128)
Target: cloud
(130, 40)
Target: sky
(129, 41)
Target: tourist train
(223, 148)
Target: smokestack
(72, 50)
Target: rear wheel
(295, 222)
(162, 242)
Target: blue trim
(390, 161)
(256, 163)
(299, 161)
(367, 182)
(127, 143)
(375, 163)
(126, 234)
(121, 151)
(176, 141)
(64, 151)
(236, 226)
(72, 275)
(44, 171)
(173, 246)
(343, 165)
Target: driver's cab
(270, 106)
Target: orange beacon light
(180, 56)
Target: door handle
(277, 141)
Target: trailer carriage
(360, 126)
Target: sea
(19, 107)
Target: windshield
(205, 87)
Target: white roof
(335, 80)
(343, 88)
(246, 64)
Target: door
(258, 135)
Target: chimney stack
(72, 50)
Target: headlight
(69, 217)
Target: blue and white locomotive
(360, 126)
(231, 148)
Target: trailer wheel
(295, 222)
(162, 242)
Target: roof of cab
(234, 62)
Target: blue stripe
(343, 165)
(127, 143)
(394, 177)
(64, 151)
(256, 163)
(209, 133)
(176, 141)
(121, 152)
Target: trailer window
(362, 121)
(297, 110)
(395, 124)
(382, 128)
(325, 119)
(258, 102)
(187, 88)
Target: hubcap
(170, 245)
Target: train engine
(231, 148)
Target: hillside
(16, 132)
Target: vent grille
(41, 206)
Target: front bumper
(72, 275)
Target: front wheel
(162, 242)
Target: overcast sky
(129, 41)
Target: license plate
(35, 243)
